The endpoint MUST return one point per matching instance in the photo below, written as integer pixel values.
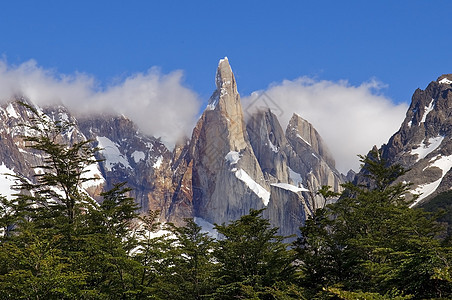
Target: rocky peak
(227, 167)
(300, 132)
(225, 97)
(423, 143)
(129, 156)
(222, 162)
(223, 115)
(224, 77)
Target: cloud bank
(351, 119)
(158, 103)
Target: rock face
(226, 177)
(129, 156)
(423, 143)
(310, 158)
(237, 167)
(288, 208)
(302, 135)
(270, 145)
(225, 169)
(292, 162)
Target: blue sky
(390, 47)
(403, 44)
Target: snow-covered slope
(423, 143)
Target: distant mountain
(226, 168)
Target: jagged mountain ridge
(227, 167)
(423, 144)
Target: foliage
(442, 205)
(370, 241)
(252, 260)
(346, 295)
(65, 166)
(190, 263)
(58, 243)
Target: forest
(56, 242)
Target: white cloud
(158, 103)
(351, 119)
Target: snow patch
(138, 156)
(112, 154)
(158, 162)
(92, 171)
(213, 103)
(425, 190)
(11, 111)
(6, 182)
(64, 117)
(232, 157)
(223, 91)
(273, 147)
(300, 137)
(427, 111)
(254, 186)
(445, 81)
(442, 162)
(424, 149)
(290, 187)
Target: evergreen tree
(40, 222)
(370, 241)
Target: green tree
(103, 245)
(252, 261)
(370, 241)
(59, 243)
(39, 224)
(64, 167)
(153, 256)
(191, 267)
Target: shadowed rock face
(269, 144)
(423, 143)
(287, 209)
(302, 135)
(225, 169)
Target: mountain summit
(423, 144)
